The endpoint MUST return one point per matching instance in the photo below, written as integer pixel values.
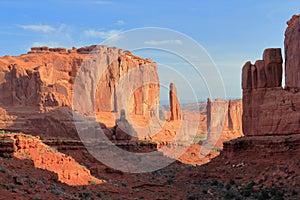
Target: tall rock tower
(174, 104)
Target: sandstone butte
(37, 88)
(269, 109)
(271, 113)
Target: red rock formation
(45, 157)
(174, 104)
(269, 109)
(37, 88)
(292, 49)
(224, 119)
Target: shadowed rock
(123, 130)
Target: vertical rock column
(174, 104)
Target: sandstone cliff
(224, 119)
(37, 88)
(268, 108)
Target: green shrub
(214, 183)
(294, 193)
(93, 182)
(247, 190)
(85, 195)
(3, 170)
(228, 186)
(231, 182)
(99, 194)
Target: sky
(229, 32)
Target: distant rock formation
(174, 104)
(37, 88)
(268, 109)
(224, 119)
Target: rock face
(37, 88)
(292, 49)
(174, 104)
(268, 109)
(224, 119)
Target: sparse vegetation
(93, 182)
(99, 194)
(3, 170)
(199, 138)
(85, 195)
(124, 184)
(218, 149)
(248, 189)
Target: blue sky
(231, 31)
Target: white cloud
(61, 37)
(101, 34)
(38, 28)
(120, 22)
(163, 42)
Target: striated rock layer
(37, 88)
(268, 109)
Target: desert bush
(248, 189)
(231, 182)
(85, 195)
(3, 170)
(93, 182)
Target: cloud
(163, 42)
(61, 37)
(101, 34)
(38, 28)
(120, 22)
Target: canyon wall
(268, 109)
(37, 88)
(224, 119)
